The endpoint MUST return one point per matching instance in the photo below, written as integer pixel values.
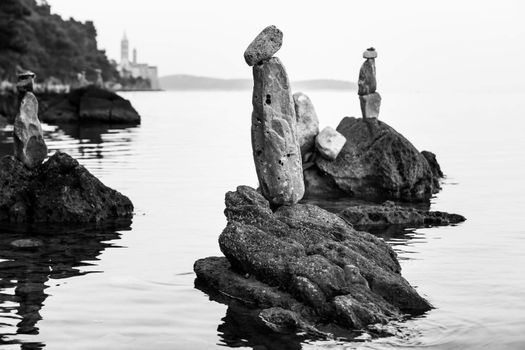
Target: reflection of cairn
(276, 150)
(369, 98)
(30, 147)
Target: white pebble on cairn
(329, 142)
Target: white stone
(329, 142)
(370, 54)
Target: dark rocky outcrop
(308, 262)
(366, 216)
(264, 46)
(59, 190)
(377, 162)
(276, 151)
(88, 104)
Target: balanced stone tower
(367, 84)
(29, 144)
(276, 150)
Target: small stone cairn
(29, 145)
(276, 149)
(367, 84)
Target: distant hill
(191, 82)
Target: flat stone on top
(264, 46)
(370, 53)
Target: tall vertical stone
(368, 97)
(29, 144)
(307, 122)
(276, 150)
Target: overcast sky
(422, 45)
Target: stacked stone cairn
(276, 150)
(368, 97)
(29, 144)
(298, 266)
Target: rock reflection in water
(31, 256)
(241, 326)
(94, 138)
(86, 141)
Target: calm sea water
(132, 287)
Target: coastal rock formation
(307, 122)
(329, 143)
(366, 216)
(264, 46)
(378, 162)
(276, 151)
(308, 261)
(57, 191)
(369, 99)
(88, 104)
(28, 137)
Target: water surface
(131, 285)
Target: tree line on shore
(31, 37)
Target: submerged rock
(308, 261)
(276, 151)
(378, 162)
(307, 122)
(366, 216)
(59, 190)
(264, 46)
(329, 143)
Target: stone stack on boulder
(298, 266)
(276, 150)
(368, 97)
(59, 190)
(28, 136)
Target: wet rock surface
(59, 190)
(366, 216)
(307, 122)
(309, 262)
(378, 162)
(276, 151)
(264, 46)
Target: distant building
(133, 69)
